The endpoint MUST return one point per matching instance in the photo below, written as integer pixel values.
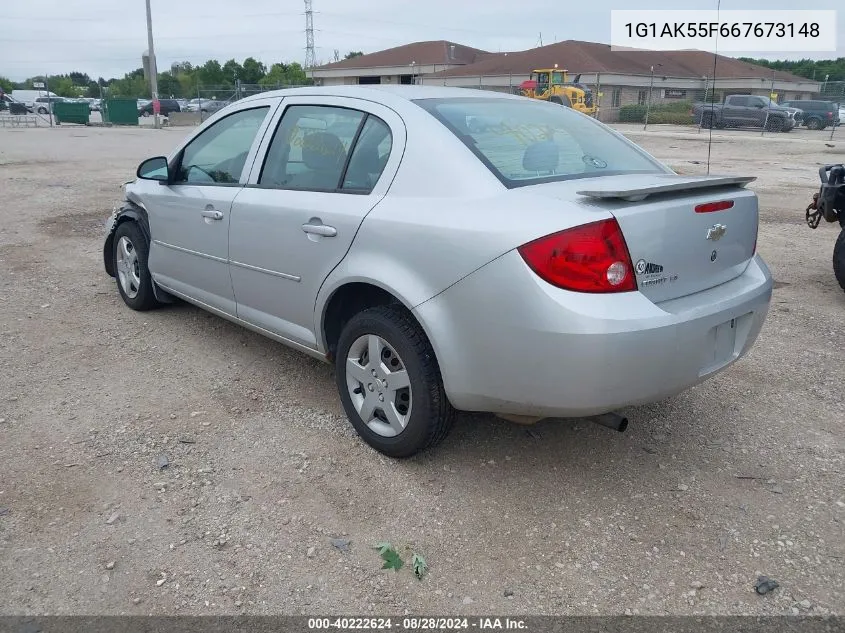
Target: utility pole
(153, 65)
(650, 90)
(309, 35)
(648, 107)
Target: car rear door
(738, 111)
(327, 162)
(189, 217)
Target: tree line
(183, 80)
(815, 69)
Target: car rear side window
(525, 142)
(310, 148)
(218, 155)
(369, 156)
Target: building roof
(592, 57)
(422, 53)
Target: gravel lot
(738, 477)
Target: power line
(251, 34)
(101, 18)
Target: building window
(616, 98)
(642, 97)
(369, 80)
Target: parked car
(166, 106)
(28, 97)
(547, 267)
(205, 105)
(44, 105)
(11, 106)
(817, 114)
(95, 105)
(744, 111)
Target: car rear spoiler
(669, 184)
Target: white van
(28, 97)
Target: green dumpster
(120, 111)
(71, 112)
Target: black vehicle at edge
(167, 106)
(817, 114)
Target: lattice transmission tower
(310, 60)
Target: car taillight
(710, 207)
(588, 258)
(830, 115)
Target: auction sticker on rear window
(776, 31)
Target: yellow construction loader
(552, 84)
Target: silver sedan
(539, 265)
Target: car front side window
(218, 155)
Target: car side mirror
(154, 169)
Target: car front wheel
(390, 384)
(775, 125)
(42, 110)
(130, 266)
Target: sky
(106, 38)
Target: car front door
(759, 110)
(189, 216)
(326, 165)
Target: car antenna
(713, 95)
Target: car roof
(385, 93)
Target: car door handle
(319, 229)
(212, 214)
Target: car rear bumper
(507, 342)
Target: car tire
(130, 255)
(145, 113)
(419, 415)
(775, 125)
(839, 259)
(42, 110)
(813, 123)
(707, 121)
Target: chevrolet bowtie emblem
(716, 232)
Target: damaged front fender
(125, 212)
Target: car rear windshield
(525, 142)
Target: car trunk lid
(684, 233)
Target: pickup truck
(745, 111)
